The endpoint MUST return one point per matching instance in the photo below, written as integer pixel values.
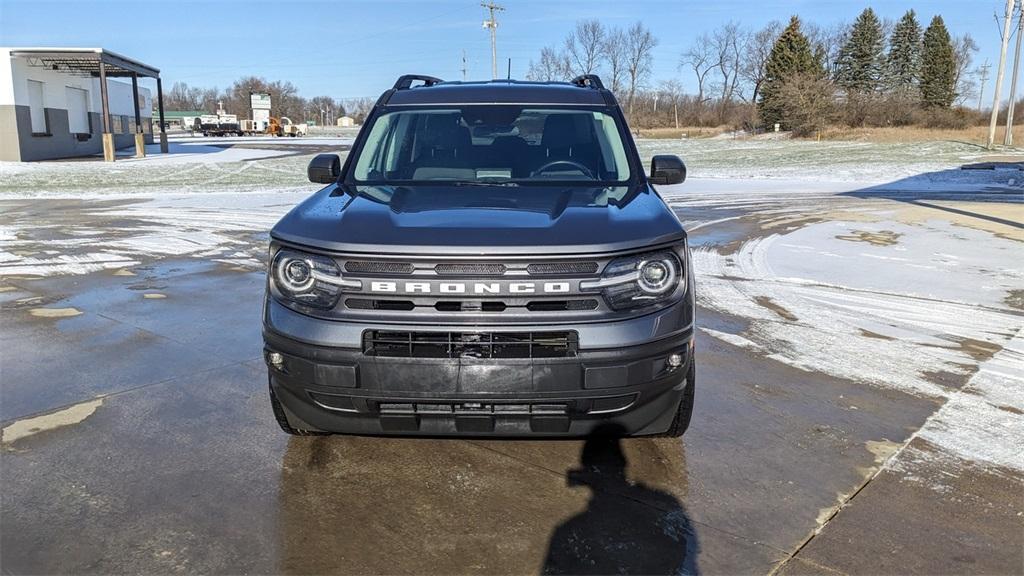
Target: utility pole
(1008, 138)
(492, 23)
(464, 69)
(999, 74)
(983, 73)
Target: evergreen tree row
(917, 68)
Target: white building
(52, 103)
(346, 122)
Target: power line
(492, 24)
(983, 74)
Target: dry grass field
(906, 134)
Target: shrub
(948, 118)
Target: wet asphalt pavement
(164, 458)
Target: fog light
(276, 360)
(675, 360)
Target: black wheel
(682, 419)
(282, 418)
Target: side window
(37, 110)
(369, 165)
(78, 110)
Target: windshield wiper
(484, 183)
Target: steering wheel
(576, 165)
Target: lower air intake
(395, 344)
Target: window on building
(78, 111)
(36, 105)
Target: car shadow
(987, 182)
(627, 526)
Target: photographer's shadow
(627, 527)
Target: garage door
(78, 111)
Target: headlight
(639, 281)
(308, 279)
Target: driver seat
(569, 137)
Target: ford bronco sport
(490, 260)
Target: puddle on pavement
(54, 312)
(880, 238)
(979, 350)
(775, 307)
(66, 417)
(1015, 299)
(875, 335)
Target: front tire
(685, 412)
(282, 418)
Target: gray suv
(490, 260)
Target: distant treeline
(284, 101)
(872, 72)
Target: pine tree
(938, 66)
(861, 61)
(903, 64)
(790, 56)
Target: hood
(477, 220)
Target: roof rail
(588, 81)
(405, 82)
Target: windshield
(493, 144)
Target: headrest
(444, 131)
(565, 131)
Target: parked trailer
(212, 125)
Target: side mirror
(667, 169)
(324, 169)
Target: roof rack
(588, 81)
(405, 82)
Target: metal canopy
(102, 64)
(85, 62)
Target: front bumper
(342, 390)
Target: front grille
(378, 267)
(396, 344)
(460, 269)
(561, 305)
(562, 268)
(371, 304)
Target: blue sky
(349, 49)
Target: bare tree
(727, 47)
(807, 103)
(614, 52)
(964, 85)
(639, 44)
(584, 46)
(183, 97)
(359, 108)
(756, 51)
(826, 42)
(673, 91)
(552, 66)
(700, 58)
